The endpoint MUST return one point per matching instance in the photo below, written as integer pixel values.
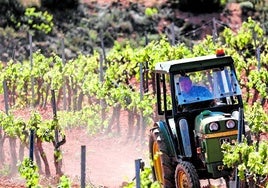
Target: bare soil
(110, 158)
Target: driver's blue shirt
(197, 92)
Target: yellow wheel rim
(183, 180)
(157, 163)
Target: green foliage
(257, 80)
(29, 170)
(6, 121)
(88, 117)
(256, 118)
(38, 20)
(223, 2)
(13, 127)
(65, 182)
(150, 11)
(235, 155)
(249, 37)
(145, 180)
(243, 47)
(206, 47)
(34, 121)
(58, 155)
(46, 131)
(250, 160)
(16, 75)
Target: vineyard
(46, 99)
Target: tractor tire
(186, 176)
(163, 168)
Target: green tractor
(199, 107)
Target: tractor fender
(166, 136)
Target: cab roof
(193, 64)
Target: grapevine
(29, 170)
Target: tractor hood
(212, 129)
(216, 124)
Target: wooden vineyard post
(56, 142)
(83, 166)
(31, 151)
(139, 166)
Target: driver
(189, 90)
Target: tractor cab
(198, 102)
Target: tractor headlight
(230, 124)
(214, 126)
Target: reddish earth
(110, 158)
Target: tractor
(185, 141)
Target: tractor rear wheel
(163, 168)
(186, 176)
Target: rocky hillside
(89, 25)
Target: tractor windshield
(214, 84)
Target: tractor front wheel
(163, 168)
(186, 176)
